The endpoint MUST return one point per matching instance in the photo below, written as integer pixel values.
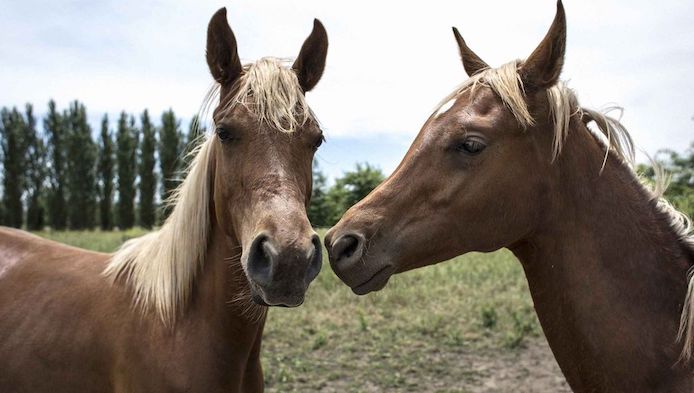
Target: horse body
(68, 329)
(182, 309)
(48, 293)
(511, 163)
(608, 277)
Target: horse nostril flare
(347, 247)
(260, 260)
(316, 258)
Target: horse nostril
(261, 259)
(347, 248)
(316, 259)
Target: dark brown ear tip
(318, 26)
(560, 10)
(458, 37)
(219, 17)
(221, 13)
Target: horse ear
(222, 55)
(310, 63)
(472, 63)
(543, 67)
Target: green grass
(93, 240)
(403, 338)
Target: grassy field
(466, 325)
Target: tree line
(67, 177)
(329, 203)
(64, 175)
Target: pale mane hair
(271, 90)
(161, 266)
(507, 84)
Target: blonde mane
(271, 90)
(506, 83)
(161, 266)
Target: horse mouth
(260, 300)
(375, 283)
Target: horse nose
(347, 250)
(292, 268)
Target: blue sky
(389, 62)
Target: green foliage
(105, 174)
(359, 183)
(319, 211)
(336, 198)
(195, 137)
(55, 129)
(148, 179)
(13, 153)
(2, 174)
(329, 204)
(81, 168)
(680, 169)
(35, 175)
(169, 154)
(126, 157)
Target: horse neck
(606, 272)
(222, 292)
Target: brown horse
(508, 161)
(183, 308)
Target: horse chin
(377, 281)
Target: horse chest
(192, 368)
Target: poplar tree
(35, 167)
(148, 179)
(13, 153)
(126, 148)
(81, 168)
(169, 154)
(105, 174)
(2, 161)
(54, 128)
(194, 138)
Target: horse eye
(471, 147)
(319, 142)
(224, 134)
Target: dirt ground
(529, 369)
